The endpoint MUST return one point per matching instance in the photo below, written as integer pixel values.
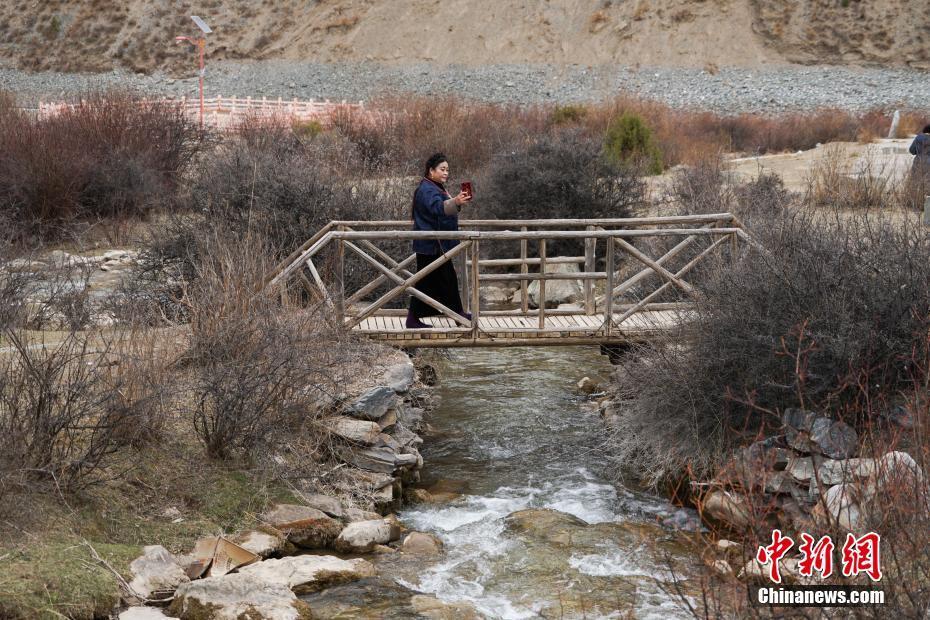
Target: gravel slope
(731, 90)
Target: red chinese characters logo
(773, 553)
(817, 556)
(859, 555)
(862, 555)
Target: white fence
(227, 113)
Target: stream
(511, 434)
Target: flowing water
(511, 434)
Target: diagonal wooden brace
(404, 285)
(398, 268)
(646, 272)
(645, 300)
(659, 269)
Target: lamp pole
(200, 44)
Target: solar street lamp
(200, 43)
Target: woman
(919, 179)
(435, 209)
(920, 149)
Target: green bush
(308, 129)
(629, 140)
(567, 114)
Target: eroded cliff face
(884, 32)
(97, 35)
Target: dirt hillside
(96, 35)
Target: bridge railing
(632, 279)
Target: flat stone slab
(156, 573)
(235, 596)
(145, 613)
(304, 526)
(357, 431)
(304, 574)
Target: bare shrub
(56, 419)
(256, 371)
(142, 376)
(851, 288)
(59, 298)
(562, 175)
(833, 182)
(110, 157)
(405, 132)
(704, 188)
(276, 183)
(763, 197)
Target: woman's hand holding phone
(462, 198)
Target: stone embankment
(811, 477)
(291, 552)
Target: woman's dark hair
(926, 129)
(434, 160)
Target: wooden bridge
(642, 262)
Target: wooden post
(609, 301)
(589, 249)
(542, 284)
(339, 273)
(475, 280)
(464, 285)
(734, 248)
(524, 298)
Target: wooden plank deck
(515, 330)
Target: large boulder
(727, 507)
(362, 536)
(799, 419)
(354, 515)
(495, 295)
(557, 291)
(373, 404)
(551, 526)
(156, 573)
(840, 505)
(264, 543)
(236, 596)
(411, 417)
(897, 468)
(400, 376)
(836, 440)
(304, 526)
(309, 573)
(420, 543)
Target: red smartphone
(466, 188)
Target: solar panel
(201, 24)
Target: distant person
(920, 149)
(434, 208)
(919, 181)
